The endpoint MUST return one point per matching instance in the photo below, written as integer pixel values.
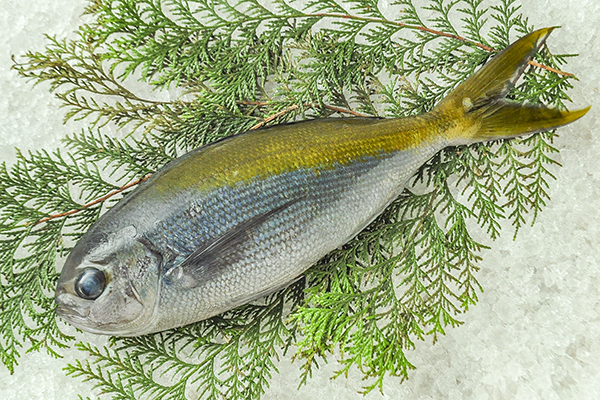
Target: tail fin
(480, 102)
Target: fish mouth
(79, 319)
(68, 314)
(69, 311)
(74, 314)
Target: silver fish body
(260, 236)
(213, 250)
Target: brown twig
(99, 200)
(294, 107)
(272, 117)
(345, 111)
(433, 31)
(332, 108)
(487, 48)
(556, 71)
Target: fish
(240, 218)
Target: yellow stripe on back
(323, 143)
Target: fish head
(110, 283)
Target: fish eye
(90, 284)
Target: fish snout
(68, 307)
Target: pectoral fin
(208, 260)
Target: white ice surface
(534, 333)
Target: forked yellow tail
(479, 102)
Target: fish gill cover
(240, 65)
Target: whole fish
(237, 219)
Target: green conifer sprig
(237, 65)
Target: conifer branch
(240, 66)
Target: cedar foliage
(241, 64)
